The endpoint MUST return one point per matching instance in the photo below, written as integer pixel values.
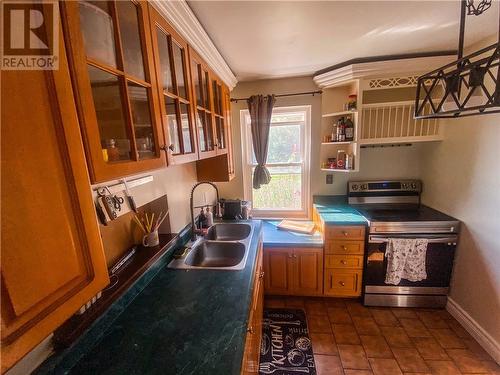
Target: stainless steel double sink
(225, 247)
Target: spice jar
(341, 159)
(112, 150)
(332, 163)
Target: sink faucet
(216, 213)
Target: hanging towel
(405, 260)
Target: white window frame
(247, 165)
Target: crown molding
(181, 17)
(381, 68)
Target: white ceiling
(271, 39)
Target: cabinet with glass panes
(174, 89)
(204, 110)
(111, 62)
(219, 118)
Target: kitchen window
(287, 194)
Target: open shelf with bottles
(340, 128)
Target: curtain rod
(282, 95)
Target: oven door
(439, 265)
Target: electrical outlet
(329, 179)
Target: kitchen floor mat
(286, 348)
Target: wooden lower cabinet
(344, 249)
(293, 271)
(53, 260)
(345, 283)
(251, 355)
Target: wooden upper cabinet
(204, 110)
(111, 57)
(219, 115)
(174, 89)
(229, 135)
(221, 167)
(53, 260)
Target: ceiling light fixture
(466, 87)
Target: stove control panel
(414, 186)
(359, 187)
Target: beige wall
(462, 179)
(391, 162)
(176, 182)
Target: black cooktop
(402, 213)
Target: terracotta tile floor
(350, 339)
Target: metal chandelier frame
(466, 87)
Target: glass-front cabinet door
(219, 115)
(174, 90)
(110, 47)
(205, 130)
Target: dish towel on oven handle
(405, 260)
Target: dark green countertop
(274, 237)
(334, 210)
(182, 322)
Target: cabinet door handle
(289, 255)
(170, 147)
(295, 255)
(341, 283)
(331, 281)
(344, 248)
(345, 233)
(343, 262)
(250, 330)
(261, 275)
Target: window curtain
(261, 109)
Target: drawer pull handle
(343, 262)
(344, 248)
(345, 233)
(341, 283)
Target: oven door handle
(384, 239)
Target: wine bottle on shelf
(341, 130)
(334, 133)
(349, 130)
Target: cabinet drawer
(339, 282)
(345, 247)
(343, 261)
(345, 233)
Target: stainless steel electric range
(393, 210)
